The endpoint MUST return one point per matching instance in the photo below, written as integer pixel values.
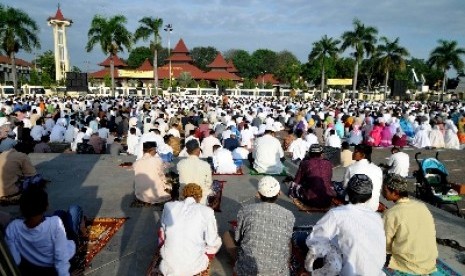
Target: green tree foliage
(362, 40)
(263, 61)
(249, 84)
(46, 80)
(107, 80)
(286, 63)
(150, 26)
(34, 78)
(325, 48)
(18, 31)
(203, 83)
(138, 55)
(76, 69)
(46, 61)
(185, 79)
(445, 56)
(112, 36)
(202, 56)
(391, 57)
(242, 60)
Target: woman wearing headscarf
(451, 140)
(407, 127)
(386, 136)
(421, 139)
(436, 137)
(374, 138)
(355, 136)
(367, 128)
(400, 138)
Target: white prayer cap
(268, 186)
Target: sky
(292, 25)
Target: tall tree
(392, 57)
(286, 64)
(138, 55)
(202, 56)
(325, 48)
(263, 61)
(46, 62)
(112, 35)
(17, 31)
(151, 27)
(362, 39)
(446, 56)
(242, 61)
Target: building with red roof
(59, 24)
(23, 69)
(267, 78)
(219, 70)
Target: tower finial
(58, 5)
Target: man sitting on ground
(312, 183)
(194, 170)
(398, 163)
(15, 165)
(189, 234)
(150, 185)
(261, 243)
(267, 155)
(356, 230)
(43, 146)
(346, 155)
(410, 230)
(298, 147)
(43, 245)
(223, 162)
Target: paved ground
(105, 190)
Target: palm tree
(446, 56)
(391, 57)
(362, 39)
(324, 48)
(112, 35)
(17, 31)
(151, 26)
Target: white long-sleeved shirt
(373, 172)
(37, 132)
(45, 245)
(194, 170)
(267, 154)
(400, 162)
(359, 234)
(191, 231)
(223, 161)
(207, 145)
(298, 148)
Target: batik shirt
(263, 233)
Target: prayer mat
(442, 270)
(100, 231)
(155, 263)
(254, 172)
(304, 208)
(140, 204)
(12, 200)
(299, 249)
(125, 165)
(239, 172)
(214, 199)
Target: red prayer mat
(239, 172)
(100, 231)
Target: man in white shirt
(247, 136)
(240, 153)
(356, 230)
(71, 132)
(398, 163)
(58, 133)
(363, 165)
(333, 140)
(194, 170)
(311, 138)
(132, 141)
(208, 143)
(189, 233)
(298, 147)
(267, 154)
(223, 161)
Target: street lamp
(169, 28)
(263, 79)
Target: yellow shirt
(411, 237)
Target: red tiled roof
(219, 62)
(180, 47)
(231, 67)
(224, 75)
(59, 16)
(116, 61)
(180, 58)
(177, 69)
(145, 66)
(18, 61)
(267, 78)
(102, 73)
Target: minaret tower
(59, 24)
